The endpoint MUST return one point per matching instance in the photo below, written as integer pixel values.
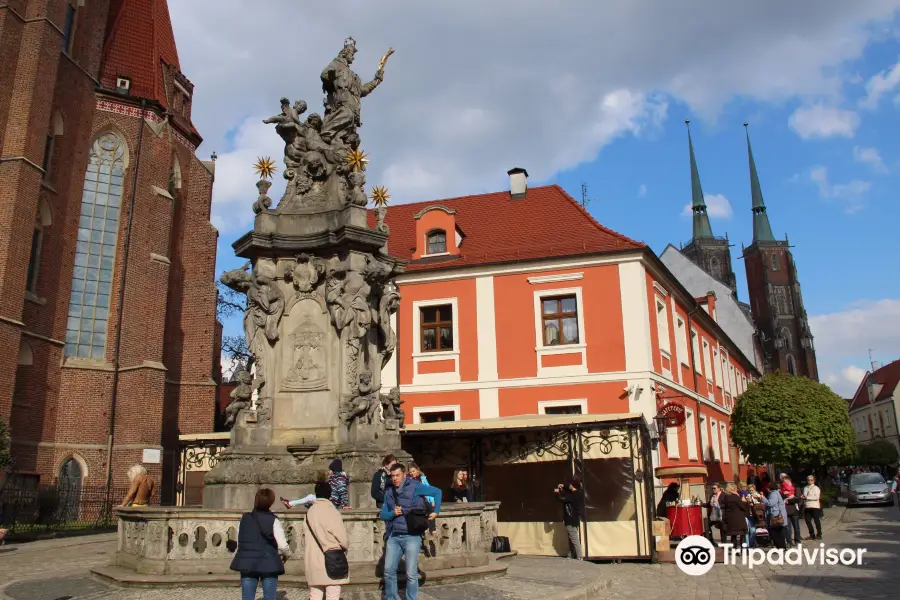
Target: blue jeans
(248, 586)
(409, 547)
(751, 531)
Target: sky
(596, 93)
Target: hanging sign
(674, 414)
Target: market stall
(686, 515)
(519, 460)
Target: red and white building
(519, 302)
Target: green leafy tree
(788, 420)
(879, 452)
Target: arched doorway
(70, 478)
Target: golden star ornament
(265, 167)
(357, 159)
(380, 196)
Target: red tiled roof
(139, 38)
(546, 223)
(888, 376)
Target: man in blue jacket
(404, 495)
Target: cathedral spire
(702, 228)
(762, 231)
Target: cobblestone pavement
(875, 529)
(57, 570)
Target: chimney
(711, 304)
(518, 182)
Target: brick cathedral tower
(710, 253)
(775, 298)
(107, 253)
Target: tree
(788, 420)
(235, 354)
(878, 453)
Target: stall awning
(519, 422)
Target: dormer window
(437, 242)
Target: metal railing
(29, 511)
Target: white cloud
(879, 85)
(818, 121)
(850, 194)
(642, 190)
(452, 116)
(717, 206)
(846, 381)
(870, 157)
(843, 340)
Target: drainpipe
(121, 301)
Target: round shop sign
(673, 413)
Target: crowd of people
(760, 508)
(407, 504)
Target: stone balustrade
(193, 541)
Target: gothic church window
(95, 251)
(791, 365)
(68, 29)
(774, 262)
(41, 220)
(786, 336)
(781, 300)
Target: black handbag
(500, 545)
(416, 518)
(336, 566)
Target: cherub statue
(241, 397)
(390, 404)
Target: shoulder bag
(777, 520)
(336, 566)
(416, 519)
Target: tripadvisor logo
(696, 555)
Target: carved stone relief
(307, 353)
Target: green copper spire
(698, 204)
(762, 231)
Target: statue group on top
(318, 147)
(359, 300)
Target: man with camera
(572, 498)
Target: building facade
(107, 254)
(518, 303)
(873, 408)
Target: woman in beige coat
(327, 524)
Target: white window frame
(732, 383)
(708, 366)
(543, 405)
(662, 326)
(672, 442)
(681, 342)
(541, 350)
(714, 438)
(419, 357)
(704, 437)
(723, 439)
(446, 251)
(420, 410)
(717, 367)
(695, 345)
(690, 433)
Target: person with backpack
(262, 548)
(406, 521)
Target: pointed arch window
(68, 29)
(774, 262)
(791, 365)
(41, 221)
(786, 336)
(95, 251)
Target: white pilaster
(486, 328)
(635, 317)
(489, 403)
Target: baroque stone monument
(320, 296)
